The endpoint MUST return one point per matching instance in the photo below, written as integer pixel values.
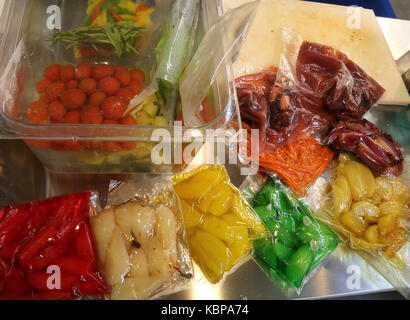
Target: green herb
(122, 36)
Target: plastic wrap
(297, 242)
(140, 241)
(371, 213)
(209, 59)
(219, 222)
(46, 250)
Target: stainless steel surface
(343, 273)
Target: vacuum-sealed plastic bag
(296, 242)
(371, 212)
(219, 222)
(46, 250)
(140, 241)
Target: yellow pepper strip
(142, 18)
(101, 20)
(128, 5)
(211, 254)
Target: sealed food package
(296, 242)
(219, 222)
(140, 242)
(47, 252)
(371, 212)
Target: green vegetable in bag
(296, 243)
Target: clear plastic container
(25, 52)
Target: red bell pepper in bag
(36, 244)
(12, 225)
(83, 243)
(73, 264)
(47, 256)
(41, 280)
(47, 252)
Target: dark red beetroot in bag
(46, 252)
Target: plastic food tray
(24, 54)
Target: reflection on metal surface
(21, 174)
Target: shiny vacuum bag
(140, 240)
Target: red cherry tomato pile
(85, 94)
(47, 252)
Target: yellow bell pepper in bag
(220, 224)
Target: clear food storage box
(77, 146)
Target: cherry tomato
(56, 121)
(110, 146)
(37, 112)
(109, 85)
(72, 117)
(57, 146)
(73, 146)
(136, 87)
(127, 93)
(44, 99)
(114, 107)
(54, 90)
(137, 75)
(42, 85)
(38, 143)
(110, 122)
(128, 120)
(123, 77)
(72, 84)
(52, 72)
(128, 145)
(91, 115)
(83, 70)
(97, 98)
(56, 110)
(88, 85)
(102, 71)
(73, 98)
(67, 73)
(91, 145)
(120, 68)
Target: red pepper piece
(116, 16)
(14, 285)
(73, 264)
(38, 280)
(12, 279)
(92, 285)
(34, 223)
(12, 225)
(69, 225)
(47, 256)
(35, 245)
(9, 296)
(83, 243)
(96, 12)
(49, 295)
(142, 7)
(9, 252)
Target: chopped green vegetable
(296, 239)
